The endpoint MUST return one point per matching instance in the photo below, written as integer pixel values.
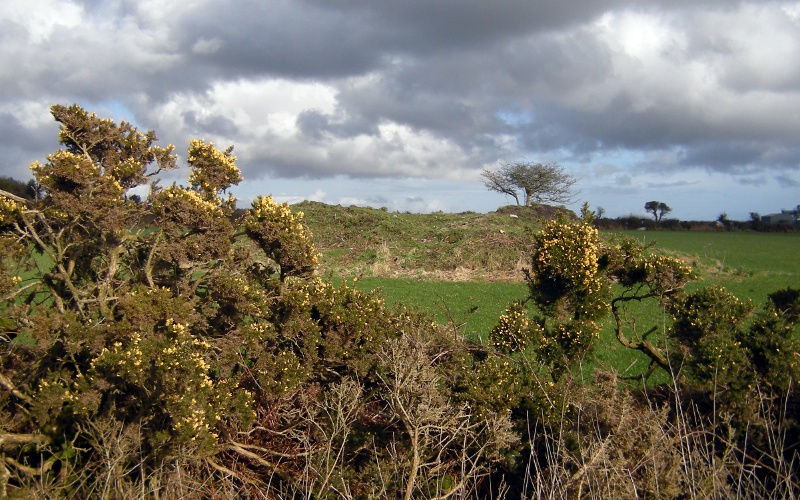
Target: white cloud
(39, 18)
(30, 114)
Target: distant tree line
(659, 209)
(26, 190)
(722, 223)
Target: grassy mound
(361, 241)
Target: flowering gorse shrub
(644, 274)
(492, 382)
(108, 314)
(135, 314)
(709, 323)
(169, 373)
(9, 211)
(281, 236)
(568, 289)
(212, 170)
(148, 344)
(721, 355)
(570, 286)
(512, 333)
(564, 276)
(772, 342)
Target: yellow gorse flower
(180, 194)
(9, 210)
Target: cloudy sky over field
(402, 103)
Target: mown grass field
(434, 261)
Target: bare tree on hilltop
(536, 182)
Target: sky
(403, 103)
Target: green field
(749, 265)
(465, 268)
(473, 306)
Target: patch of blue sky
(114, 109)
(514, 118)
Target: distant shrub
(670, 224)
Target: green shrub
(733, 352)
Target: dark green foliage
(25, 190)
(709, 323)
(734, 351)
(786, 303)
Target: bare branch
(499, 182)
(655, 355)
(18, 439)
(16, 198)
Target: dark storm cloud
(319, 38)
(316, 125)
(313, 124)
(743, 157)
(755, 181)
(676, 184)
(13, 131)
(217, 125)
(279, 38)
(788, 181)
(420, 88)
(20, 143)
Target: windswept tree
(536, 182)
(599, 212)
(658, 208)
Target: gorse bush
(114, 317)
(150, 346)
(166, 349)
(723, 357)
(574, 281)
(567, 287)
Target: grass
(472, 306)
(358, 241)
(750, 265)
(466, 268)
